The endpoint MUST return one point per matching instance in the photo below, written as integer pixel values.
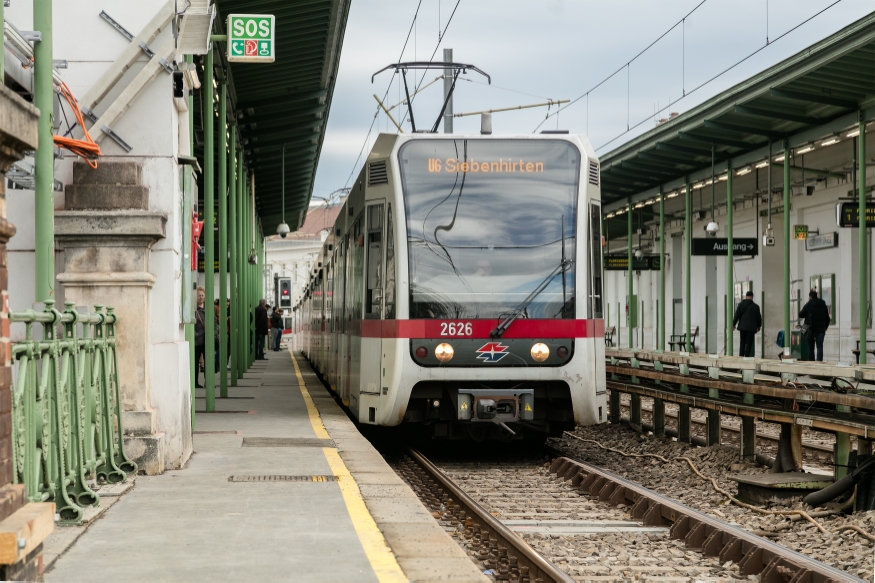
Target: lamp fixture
(283, 228)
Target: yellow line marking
(379, 554)
(315, 419)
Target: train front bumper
(495, 406)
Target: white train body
(443, 238)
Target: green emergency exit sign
(251, 38)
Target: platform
(282, 486)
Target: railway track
(566, 520)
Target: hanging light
(283, 229)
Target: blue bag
(780, 340)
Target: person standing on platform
(276, 326)
(261, 328)
(748, 322)
(199, 335)
(817, 318)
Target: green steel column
(688, 228)
(729, 263)
(250, 272)
(786, 248)
(660, 336)
(189, 328)
(242, 312)
(864, 255)
(44, 195)
(232, 249)
(223, 240)
(209, 234)
(629, 305)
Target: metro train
(460, 289)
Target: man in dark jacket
(817, 317)
(748, 322)
(199, 336)
(276, 327)
(261, 328)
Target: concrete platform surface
(330, 514)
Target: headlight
(444, 352)
(540, 352)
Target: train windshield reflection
(487, 221)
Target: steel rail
(529, 557)
(754, 555)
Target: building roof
(807, 97)
(318, 219)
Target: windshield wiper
(505, 323)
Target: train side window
(595, 245)
(374, 280)
(389, 288)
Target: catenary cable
(718, 75)
(626, 64)
(377, 111)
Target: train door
(346, 342)
(596, 313)
(388, 345)
(340, 344)
(356, 298)
(369, 384)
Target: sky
(539, 50)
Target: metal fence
(66, 410)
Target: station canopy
(286, 102)
(804, 99)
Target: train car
(460, 289)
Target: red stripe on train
(523, 328)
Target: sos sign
(251, 38)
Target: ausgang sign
(720, 246)
(251, 38)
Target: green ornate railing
(66, 410)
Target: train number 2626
(456, 329)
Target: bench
(609, 336)
(680, 340)
(868, 350)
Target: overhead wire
(625, 65)
(720, 74)
(377, 111)
(437, 46)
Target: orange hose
(86, 149)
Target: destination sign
(848, 214)
(621, 263)
(501, 166)
(720, 246)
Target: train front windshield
(489, 223)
